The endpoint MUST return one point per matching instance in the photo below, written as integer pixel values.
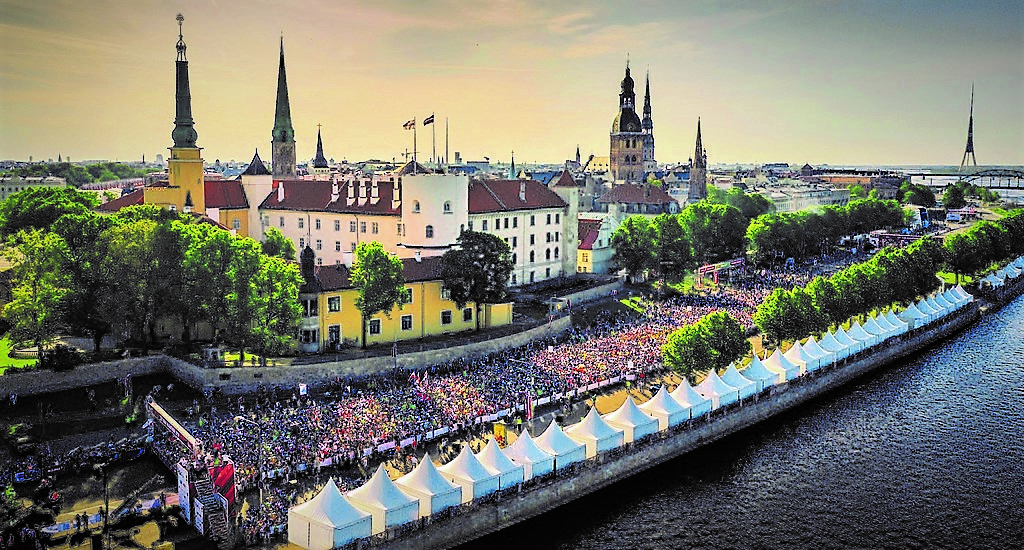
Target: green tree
(858, 192)
(40, 207)
(726, 337)
(378, 278)
(243, 299)
(633, 243)
(953, 197)
(39, 285)
(826, 299)
(716, 231)
(477, 270)
(711, 343)
(89, 283)
(920, 195)
(276, 244)
(130, 264)
(673, 252)
(278, 310)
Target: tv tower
(970, 136)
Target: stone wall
(47, 381)
(607, 468)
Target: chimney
(418, 257)
(351, 199)
(396, 194)
(522, 191)
(334, 187)
(280, 192)
(375, 191)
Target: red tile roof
(565, 180)
(224, 194)
(632, 193)
(588, 230)
(503, 195)
(316, 196)
(337, 277)
(131, 199)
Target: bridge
(995, 178)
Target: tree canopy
(713, 342)
(477, 270)
(378, 278)
(632, 243)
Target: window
(531, 256)
(586, 257)
(547, 238)
(447, 207)
(308, 336)
(302, 223)
(547, 273)
(302, 243)
(513, 278)
(556, 253)
(337, 246)
(319, 261)
(266, 220)
(430, 232)
(281, 221)
(319, 244)
(374, 326)
(334, 335)
(399, 230)
(334, 303)
(549, 220)
(547, 254)
(558, 217)
(556, 236)
(407, 322)
(352, 227)
(470, 222)
(446, 294)
(506, 223)
(446, 317)
(408, 296)
(337, 225)
(483, 225)
(515, 242)
(467, 315)
(513, 258)
(531, 276)
(317, 222)
(416, 207)
(515, 222)
(533, 240)
(533, 221)
(362, 227)
(375, 228)
(353, 249)
(309, 307)
(236, 224)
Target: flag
(429, 120)
(410, 125)
(529, 407)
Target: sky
(838, 82)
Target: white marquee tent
(715, 389)
(565, 450)
(796, 354)
(595, 433)
(494, 459)
(825, 357)
(960, 290)
(852, 344)
(940, 311)
(533, 459)
(633, 422)
(326, 521)
(745, 386)
(884, 324)
(434, 492)
(665, 409)
(913, 317)
(777, 362)
(383, 500)
(829, 343)
(926, 309)
(856, 331)
(760, 375)
(467, 472)
(894, 320)
(685, 395)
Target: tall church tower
(185, 187)
(650, 165)
(320, 165)
(698, 172)
(283, 135)
(626, 156)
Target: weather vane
(181, 40)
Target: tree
(243, 300)
(750, 205)
(40, 207)
(39, 285)
(277, 291)
(953, 197)
(920, 195)
(89, 284)
(129, 262)
(477, 270)
(826, 299)
(633, 242)
(726, 336)
(858, 192)
(713, 342)
(673, 252)
(276, 244)
(378, 278)
(716, 231)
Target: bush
(63, 358)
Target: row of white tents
(332, 519)
(1011, 271)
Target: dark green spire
(184, 134)
(283, 131)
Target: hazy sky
(858, 82)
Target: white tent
(843, 338)
(992, 280)
(715, 389)
(894, 320)
(796, 354)
(912, 317)
(554, 442)
(745, 386)
(428, 485)
(944, 303)
(829, 343)
(633, 422)
(940, 311)
(825, 357)
(960, 290)
(326, 521)
(685, 395)
(494, 459)
(665, 409)
(926, 309)
(777, 362)
(467, 472)
(761, 375)
(858, 332)
(874, 329)
(957, 301)
(1011, 272)
(525, 452)
(885, 325)
(1018, 263)
(383, 500)
(595, 433)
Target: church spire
(648, 123)
(698, 171)
(283, 135)
(184, 133)
(319, 161)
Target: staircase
(213, 511)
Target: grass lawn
(6, 361)
(232, 356)
(950, 278)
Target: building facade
(631, 153)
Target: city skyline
(820, 82)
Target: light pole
(259, 457)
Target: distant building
(628, 199)
(594, 253)
(698, 171)
(632, 140)
(10, 185)
(283, 134)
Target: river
(927, 453)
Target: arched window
(447, 207)
(547, 254)
(430, 232)
(416, 206)
(532, 257)
(556, 253)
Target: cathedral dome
(626, 121)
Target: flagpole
(446, 140)
(414, 146)
(433, 140)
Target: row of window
(515, 222)
(374, 326)
(547, 275)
